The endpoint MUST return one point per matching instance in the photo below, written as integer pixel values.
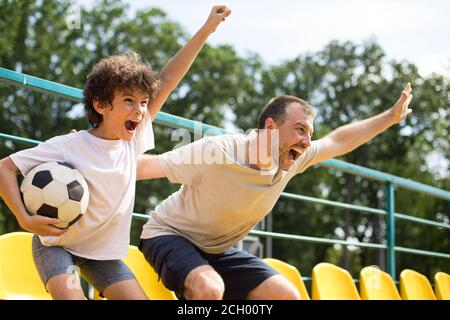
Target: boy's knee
(204, 283)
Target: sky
(414, 30)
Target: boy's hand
(400, 110)
(217, 15)
(42, 225)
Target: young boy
(122, 96)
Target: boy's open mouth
(131, 125)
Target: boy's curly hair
(124, 71)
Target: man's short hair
(124, 71)
(276, 109)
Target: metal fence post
(390, 208)
(269, 240)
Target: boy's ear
(100, 107)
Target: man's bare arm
(348, 137)
(148, 167)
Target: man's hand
(400, 110)
(350, 136)
(217, 15)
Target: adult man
(189, 237)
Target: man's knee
(203, 283)
(275, 288)
(289, 293)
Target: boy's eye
(128, 100)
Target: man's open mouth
(293, 154)
(131, 125)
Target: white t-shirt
(109, 167)
(218, 204)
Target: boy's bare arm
(148, 167)
(348, 137)
(178, 66)
(9, 191)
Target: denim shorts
(173, 257)
(53, 260)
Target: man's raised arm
(348, 137)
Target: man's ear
(270, 124)
(100, 107)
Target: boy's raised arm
(178, 66)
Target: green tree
(345, 81)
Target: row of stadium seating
(330, 282)
(20, 280)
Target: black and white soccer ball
(56, 190)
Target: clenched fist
(217, 15)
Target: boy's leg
(60, 290)
(125, 290)
(57, 271)
(112, 279)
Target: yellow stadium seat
(442, 285)
(330, 282)
(376, 284)
(19, 279)
(146, 276)
(415, 286)
(291, 273)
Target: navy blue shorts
(173, 257)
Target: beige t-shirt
(217, 204)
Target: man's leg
(203, 283)
(182, 267)
(274, 288)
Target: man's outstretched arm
(348, 137)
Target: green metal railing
(74, 94)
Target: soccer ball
(56, 190)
